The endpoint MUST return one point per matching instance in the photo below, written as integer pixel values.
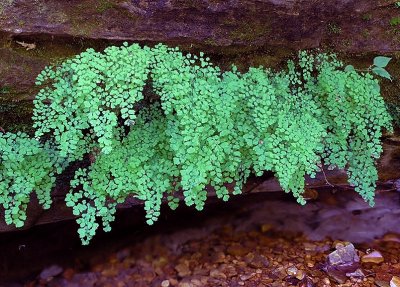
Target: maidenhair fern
(206, 129)
(26, 166)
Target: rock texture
(272, 28)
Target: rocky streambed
(263, 239)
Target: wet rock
(395, 282)
(50, 272)
(215, 273)
(256, 260)
(295, 273)
(218, 257)
(292, 271)
(246, 277)
(183, 269)
(237, 250)
(381, 283)
(391, 237)
(307, 282)
(342, 261)
(279, 273)
(359, 273)
(228, 270)
(373, 257)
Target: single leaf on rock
(349, 68)
(382, 72)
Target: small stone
(246, 277)
(391, 238)
(50, 272)
(381, 283)
(373, 257)
(111, 272)
(228, 270)
(183, 270)
(196, 283)
(395, 282)
(306, 282)
(342, 261)
(326, 281)
(279, 272)
(292, 271)
(218, 257)
(266, 227)
(165, 283)
(237, 250)
(356, 274)
(300, 275)
(215, 273)
(256, 260)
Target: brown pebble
(237, 250)
(373, 257)
(215, 273)
(395, 282)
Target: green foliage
(377, 68)
(379, 65)
(89, 93)
(25, 166)
(208, 127)
(395, 21)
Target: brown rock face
(58, 29)
(219, 23)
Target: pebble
(300, 275)
(373, 257)
(183, 270)
(381, 283)
(326, 281)
(215, 273)
(395, 282)
(50, 272)
(228, 270)
(292, 271)
(269, 260)
(246, 277)
(256, 260)
(237, 250)
(266, 227)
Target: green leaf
(349, 68)
(381, 72)
(381, 61)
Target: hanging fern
(207, 127)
